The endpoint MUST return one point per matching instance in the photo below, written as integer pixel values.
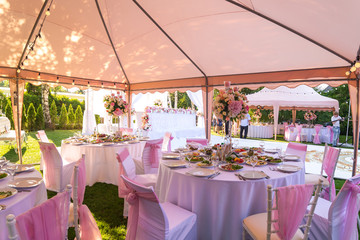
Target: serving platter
(7, 192)
(201, 172)
(24, 168)
(25, 182)
(253, 175)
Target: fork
(240, 177)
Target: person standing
(335, 119)
(244, 125)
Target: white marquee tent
(284, 98)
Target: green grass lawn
(102, 199)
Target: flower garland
(271, 115)
(169, 110)
(230, 104)
(257, 114)
(115, 105)
(158, 103)
(145, 125)
(309, 115)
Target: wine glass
(262, 145)
(11, 168)
(253, 161)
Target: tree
(63, 119)
(45, 90)
(9, 114)
(53, 115)
(31, 117)
(3, 101)
(23, 118)
(78, 117)
(39, 121)
(71, 116)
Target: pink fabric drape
(46, 221)
(132, 197)
(153, 156)
(203, 142)
(121, 156)
(167, 142)
(298, 149)
(317, 137)
(292, 202)
(344, 211)
(331, 133)
(88, 227)
(126, 130)
(298, 136)
(42, 136)
(329, 165)
(286, 131)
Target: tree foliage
(39, 121)
(53, 115)
(63, 118)
(78, 117)
(71, 116)
(31, 117)
(9, 114)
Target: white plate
(175, 164)
(171, 156)
(271, 150)
(5, 189)
(288, 168)
(292, 158)
(25, 182)
(201, 172)
(202, 165)
(221, 166)
(24, 168)
(7, 175)
(253, 174)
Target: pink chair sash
(317, 137)
(46, 221)
(292, 204)
(298, 136)
(331, 133)
(154, 155)
(329, 165)
(167, 142)
(202, 141)
(41, 135)
(132, 197)
(344, 211)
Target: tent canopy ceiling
(301, 97)
(212, 38)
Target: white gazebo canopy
(299, 98)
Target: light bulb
(18, 70)
(57, 79)
(357, 64)
(73, 83)
(88, 84)
(40, 38)
(114, 85)
(22, 66)
(47, 13)
(102, 85)
(38, 76)
(353, 69)
(347, 73)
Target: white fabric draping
(4, 124)
(89, 122)
(223, 202)
(140, 101)
(100, 161)
(196, 98)
(21, 202)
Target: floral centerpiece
(310, 116)
(145, 125)
(158, 103)
(115, 105)
(257, 115)
(271, 116)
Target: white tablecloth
(22, 201)
(101, 163)
(325, 134)
(261, 131)
(223, 202)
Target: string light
(88, 84)
(73, 83)
(357, 64)
(102, 85)
(353, 69)
(114, 85)
(347, 73)
(57, 79)
(38, 77)
(47, 13)
(18, 70)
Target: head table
(223, 202)
(22, 201)
(100, 159)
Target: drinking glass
(262, 145)
(11, 168)
(215, 161)
(253, 161)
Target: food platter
(3, 175)
(230, 167)
(201, 172)
(7, 192)
(288, 168)
(252, 175)
(25, 182)
(205, 165)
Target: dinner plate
(25, 182)
(204, 165)
(271, 150)
(253, 174)
(171, 156)
(3, 176)
(201, 172)
(288, 168)
(292, 158)
(8, 189)
(24, 168)
(222, 167)
(175, 164)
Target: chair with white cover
(150, 219)
(84, 222)
(41, 135)
(166, 146)
(48, 220)
(284, 214)
(150, 159)
(57, 171)
(297, 149)
(127, 168)
(338, 219)
(330, 159)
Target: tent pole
(207, 134)
(18, 136)
(356, 135)
(348, 121)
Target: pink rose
(112, 104)
(112, 94)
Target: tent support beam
(111, 42)
(18, 121)
(356, 135)
(289, 29)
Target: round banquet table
(261, 131)
(22, 201)
(221, 203)
(100, 160)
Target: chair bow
(133, 199)
(154, 155)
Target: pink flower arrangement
(230, 104)
(145, 125)
(309, 115)
(257, 114)
(115, 105)
(168, 110)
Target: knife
(214, 175)
(267, 176)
